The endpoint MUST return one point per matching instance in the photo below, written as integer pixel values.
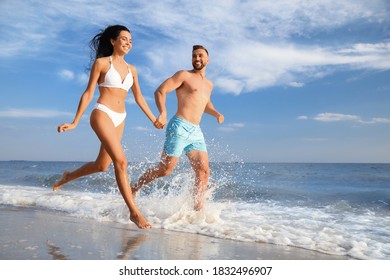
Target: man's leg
(164, 168)
(200, 164)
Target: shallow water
(338, 209)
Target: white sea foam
(322, 229)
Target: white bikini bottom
(117, 118)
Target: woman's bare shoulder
(102, 61)
(132, 68)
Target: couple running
(114, 78)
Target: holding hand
(158, 125)
(161, 121)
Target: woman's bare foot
(139, 220)
(63, 180)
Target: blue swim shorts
(183, 135)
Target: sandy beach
(31, 234)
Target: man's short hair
(197, 47)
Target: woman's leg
(101, 164)
(110, 138)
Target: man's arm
(212, 111)
(160, 95)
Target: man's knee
(202, 171)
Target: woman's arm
(86, 97)
(140, 100)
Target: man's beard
(198, 68)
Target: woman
(114, 78)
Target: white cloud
(337, 117)
(141, 128)
(131, 101)
(259, 65)
(296, 84)
(266, 49)
(66, 74)
(377, 121)
(83, 78)
(258, 52)
(229, 85)
(32, 113)
(376, 56)
(231, 127)
(334, 117)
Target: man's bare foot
(63, 180)
(139, 220)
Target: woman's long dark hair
(101, 45)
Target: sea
(336, 209)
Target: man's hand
(161, 121)
(220, 118)
(158, 125)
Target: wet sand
(31, 234)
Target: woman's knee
(121, 164)
(101, 166)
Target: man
(183, 132)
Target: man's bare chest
(196, 87)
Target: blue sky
(297, 81)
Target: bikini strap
(128, 67)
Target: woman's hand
(66, 126)
(158, 124)
(161, 121)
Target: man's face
(199, 59)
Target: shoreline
(37, 234)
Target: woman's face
(123, 43)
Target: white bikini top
(114, 80)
